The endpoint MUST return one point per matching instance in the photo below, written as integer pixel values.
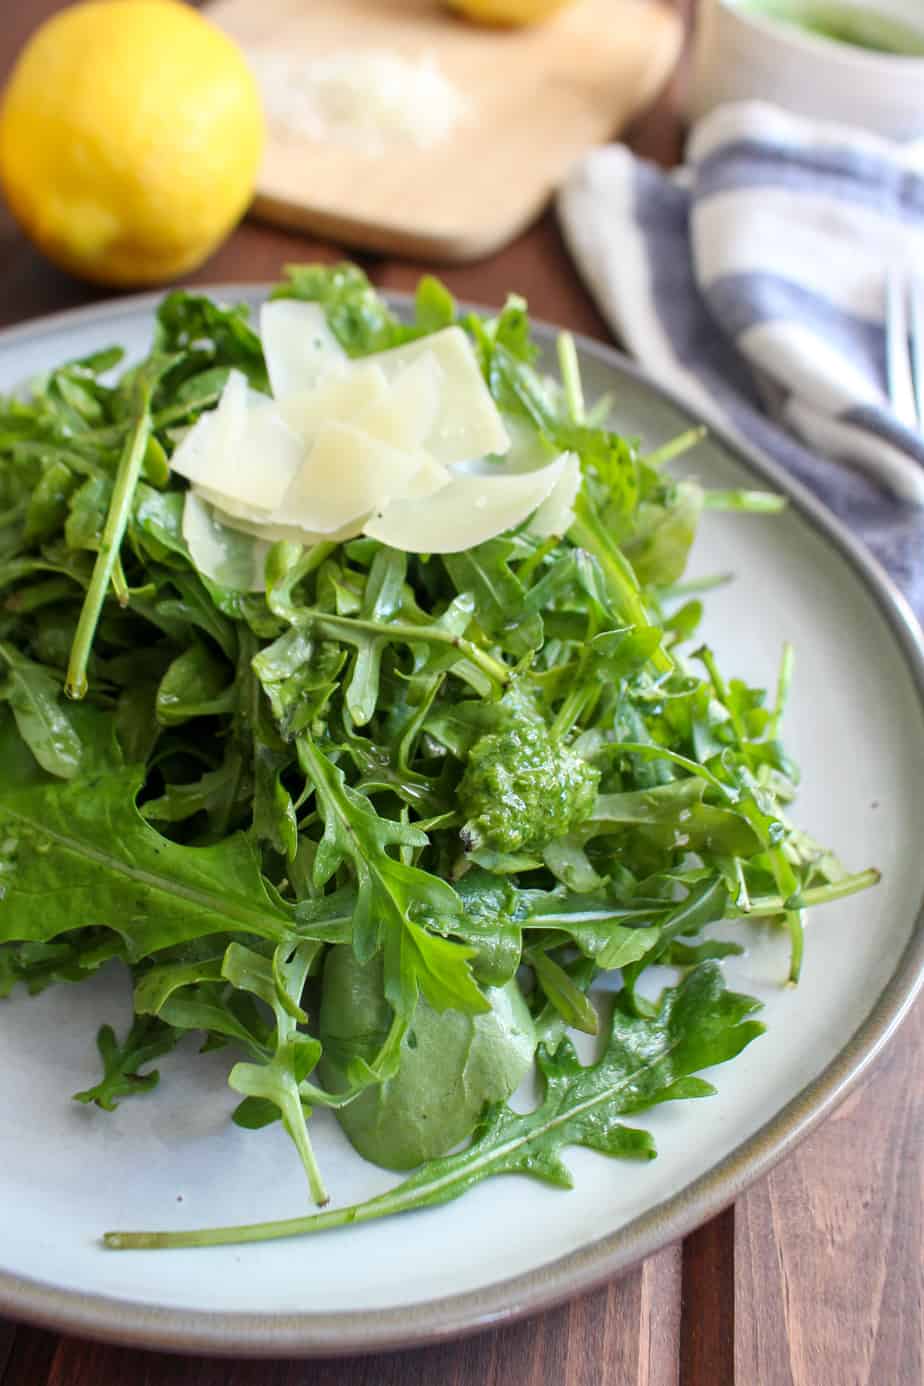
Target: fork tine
(898, 362)
(916, 310)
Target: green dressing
(856, 25)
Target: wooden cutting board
(538, 98)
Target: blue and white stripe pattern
(779, 232)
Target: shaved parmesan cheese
(346, 474)
(228, 506)
(476, 505)
(190, 456)
(407, 416)
(396, 446)
(298, 345)
(431, 478)
(231, 414)
(288, 534)
(468, 423)
(270, 456)
(215, 435)
(224, 555)
(556, 513)
(248, 455)
(344, 396)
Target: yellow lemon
(509, 12)
(130, 137)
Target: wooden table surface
(813, 1278)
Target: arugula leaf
(191, 322)
(146, 1040)
(485, 572)
(647, 1061)
(387, 891)
(358, 317)
(279, 982)
(80, 853)
(197, 684)
(70, 959)
(34, 696)
(497, 769)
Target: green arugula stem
(586, 529)
(743, 898)
(652, 751)
(446, 1179)
(783, 685)
(571, 376)
(795, 923)
(597, 415)
(333, 626)
(113, 435)
(381, 1207)
(764, 906)
(126, 481)
(694, 587)
(529, 565)
(119, 584)
(621, 581)
(572, 709)
(175, 412)
(752, 502)
(707, 659)
(676, 447)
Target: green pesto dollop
(451, 1064)
(522, 788)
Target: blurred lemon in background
(130, 137)
(507, 11)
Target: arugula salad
(351, 701)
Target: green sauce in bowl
(844, 23)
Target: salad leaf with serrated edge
(647, 1061)
(491, 769)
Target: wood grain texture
(7, 1335)
(537, 99)
(707, 1311)
(624, 1335)
(30, 1353)
(829, 1251)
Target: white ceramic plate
(173, 1160)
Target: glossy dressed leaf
(490, 924)
(362, 322)
(485, 572)
(195, 685)
(80, 853)
(387, 891)
(647, 1061)
(37, 703)
(221, 335)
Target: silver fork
(905, 347)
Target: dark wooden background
(814, 1278)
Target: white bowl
(741, 54)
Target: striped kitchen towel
(752, 283)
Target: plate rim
(107, 1318)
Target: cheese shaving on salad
(406, 446)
